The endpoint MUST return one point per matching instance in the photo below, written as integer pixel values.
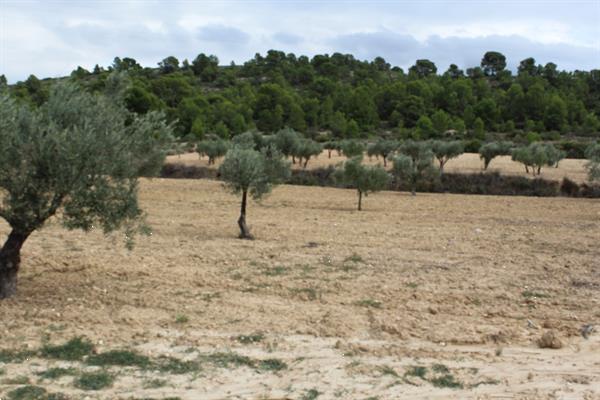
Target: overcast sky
(51, 38)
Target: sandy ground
(349, 300)
(466, 163)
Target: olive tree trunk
(244, 231)
(10, 260)
(359, 200)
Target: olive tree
(286, 141)
(414, 163)
(330, 146)
(489, 151)
(445, 151)
(593, 165)
(213, 149)
(382, 148)
(305, 149)
(366, 179)
(77, 158)
(536, 156)
(255, 172)
(352, 148)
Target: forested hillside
(356, 99)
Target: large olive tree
(246, 170)
(77, 157)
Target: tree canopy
(351, 98)
(77, 157)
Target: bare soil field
(436, 296)
(466, 163)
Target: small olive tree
(489, 151)
(414, 163)
(366, 179)
(352, 148)
(445, 151)
(287, 141)
(305, 149)
(382, 148)
(330, 146)
(536, 156)
(593, 165)
(213, 149)
(78, 158)
(246, 170)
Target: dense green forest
(350, 98)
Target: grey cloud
(223, 34)
(391, 46)
(403, 50)
(287, 38)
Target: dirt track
(348, 300)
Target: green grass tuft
(94, 380)
(387, 370)
(417, 371)
(15, 356)
(225, 360)
(271, 364)
(55, 373)
(17, 380)
(181, 319)
(27, 393)
(249, 339)
(155, 383)
(311, 394)
(74, 350)
(175, 366)
(440, 368)
(125, 358)
(355, 258)
(446, 381)
(369, 303)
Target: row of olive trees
(533, 157)
(289, 142)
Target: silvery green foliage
(415, 162)
(256, 172)
(382, 148)
(213, 149)
(491, 150)
(286, 141)
(593, 165)
(537, 155)
(352, 148)
(365, 178)
(305, 149)
(78, 156)
(445, 151)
